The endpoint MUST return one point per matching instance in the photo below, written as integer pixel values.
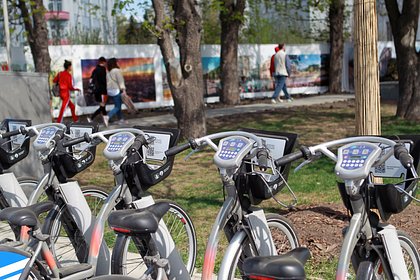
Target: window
(55, 5)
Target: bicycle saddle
(25, 216)
(138, 221)
(288, 266)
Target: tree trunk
(37, 33)
(336, 18)
(404, 26)
(231, 16)
(368, 110)
(185, 76)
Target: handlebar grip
(289, 158)
(262, 157)
(58, 136)
(75, 141)
(401, 153)
(139, 141)
(177, 149)
(11, 133)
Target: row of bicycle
(62, 237)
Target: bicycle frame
(258, 228)
(359, 223)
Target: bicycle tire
(371, 270)
(28, 184)
(120, 262)
(66, 251)
(275, 222)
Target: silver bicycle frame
(261, 238)
(359, 222)
(258, 227)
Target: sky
(136, 8)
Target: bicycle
(374, 249)
(23, 191)
(86, 232)
(237, 217)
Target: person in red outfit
(65, 81)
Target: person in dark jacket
(99, 79)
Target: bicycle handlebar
(30, 129)
(288, 158)
(262, 158)
(11, 133)
(78, 140)
(177, 149)
(401, 153)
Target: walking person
(65, 82)
(115, 88)
(99, 80)
(280, 74)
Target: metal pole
(7, 33)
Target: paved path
(169, 119)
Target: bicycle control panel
(356, 159)
(44, 138)
(118, 145)
(231, 151)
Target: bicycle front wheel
(127, 256)
(284, 237)
(374, 270)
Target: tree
(131, 32)
(32, 13)
(366, 78)
(404, 24)
(231, 18)
(185, 76)
(336, 22)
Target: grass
(195, 183)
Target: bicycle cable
(295, 200)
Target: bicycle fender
(12, 262)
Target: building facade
(313, 21)
(81, 21)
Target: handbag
(56, 87)
(126, 99)
(80, 99)
(128, 102)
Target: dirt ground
(320, 227)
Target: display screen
(355, 157)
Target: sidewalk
(170, 120)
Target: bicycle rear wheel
(284, 238)
(127, 255)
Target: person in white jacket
(280, 74)
(115, 87)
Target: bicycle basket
(150, 166)
(15, 148)
(386, 197)
(261, 185)
(65, 163)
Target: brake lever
(187, 157)
(310, 160)
(302, 165)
